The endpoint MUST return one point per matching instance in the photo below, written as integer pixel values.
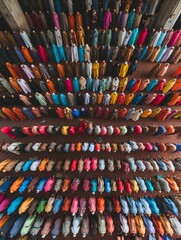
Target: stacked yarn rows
(90, 129)
(76, 62)
(93, 215)
(72, 49)
(126, 147)
(47, 94)
(134, 216)
(90, 164)
(106, 209)
(99, 185)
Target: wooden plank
(14, 15)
